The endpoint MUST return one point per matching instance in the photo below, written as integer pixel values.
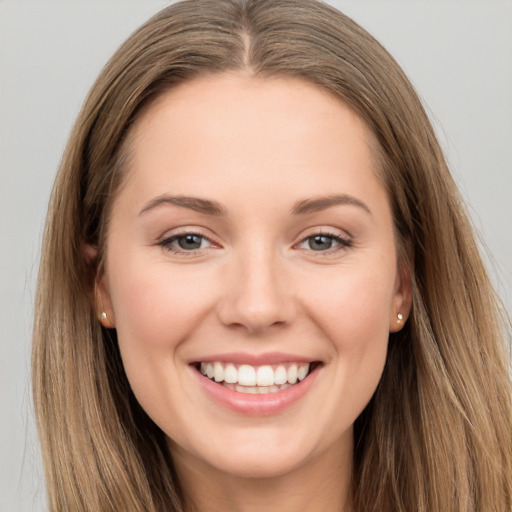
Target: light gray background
(457, 53)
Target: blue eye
(185, 242)
(322, 242)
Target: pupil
(320, 243)
(189, 242)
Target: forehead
(247, 103)
(239, 130)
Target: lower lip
(257, 404)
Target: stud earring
(400, 317)
(103, 316)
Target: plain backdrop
(457, 53)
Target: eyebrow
(192, 203)
(209, 207)
(322, 203)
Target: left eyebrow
(322, 203)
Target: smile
(245, 378)
(256, 385)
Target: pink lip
(256, 405)
(268, 358)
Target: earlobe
(90, 255)
(102, 303)
(397, 323)
(401, 305)
(106, 321)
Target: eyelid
(344, 241)
(165, 241)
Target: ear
(102, 302)
(402, 299)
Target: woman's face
(252, 242)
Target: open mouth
(263, 379)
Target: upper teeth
(247, 375)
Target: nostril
(256, 302)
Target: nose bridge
(256, 295)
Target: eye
(185, 242)
(322, 242)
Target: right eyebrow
(192, 203)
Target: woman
(268, 292)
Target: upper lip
(268, 358)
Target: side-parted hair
(437, 434)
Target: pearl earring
(103, 316)
(400, 317)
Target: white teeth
(250, 379)
(230, 374)
(265, 376)
(256, 390)
(292, 374)
(246, 375)
(218, 372)
(280, 375)
(302, 372)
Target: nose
(257, 295)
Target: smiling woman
(255, 243)
(264, 313)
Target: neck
(319, 485)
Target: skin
(258, 148)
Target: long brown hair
(436, 434)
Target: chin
(254, 453)
(259, 466)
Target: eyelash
(167, 243)
(342, 243)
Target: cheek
(352, 311)
(352, 306)
(156, 310)
(357, 322)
